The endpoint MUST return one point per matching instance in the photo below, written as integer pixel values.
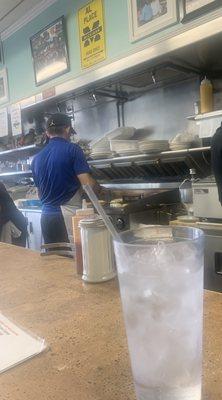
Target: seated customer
(11, 220)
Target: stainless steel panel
(170, 166)
(166, 156)
(34, 230)
(142, 186)
(206, 202)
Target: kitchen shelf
(128, 160)
(170, 166)
(200, 117)
(15, 173)
(142, 186)
(20, 151)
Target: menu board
(91, 33)
(16, 119)
(3, 122)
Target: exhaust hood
(189, 62)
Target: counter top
(82, 323)
(30, 209)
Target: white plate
(101, 152)
(187, 218)
(179, 148)
(181, 144)
(125, 132)
(100, 155)
(124, 145)
(128, 153)
(154, 142)
(150, 151)
(153, 147)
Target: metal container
(186, 195)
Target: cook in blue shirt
(58, 172)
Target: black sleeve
(8, 209)
(216, 160)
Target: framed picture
(49, 52)
(3, 86)
(149, 16)
(195, 8)
(1, 53)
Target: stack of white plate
(97, 154)
(101, 149)
(125, 147)
(153, 146)
(180, 145)
(120, 133)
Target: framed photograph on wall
(149, 16)
(1, 53)
(195, 8)
(3, 86)
(49, 52)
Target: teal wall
(17, 52)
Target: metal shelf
(142, 186)
(200, 117)
(15, 173)
(20, 151)
(149, 158)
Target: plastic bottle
(206, 96)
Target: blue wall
(17, 52)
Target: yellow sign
(91, 33)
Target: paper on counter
(16, 345)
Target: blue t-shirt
(55, 170)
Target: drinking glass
(160, 272)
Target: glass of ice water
(160, 272)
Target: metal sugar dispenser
(186, 193)
(97, 250)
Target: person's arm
(87, 179)
(7, 206)
(82, 171)
(35, 178)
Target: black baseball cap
(58, 120)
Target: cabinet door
(34, 230)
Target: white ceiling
(12, 10)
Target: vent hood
(189, 62)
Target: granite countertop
(87, 358)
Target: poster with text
(16, 119)
(3, 122)
(91, 33)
